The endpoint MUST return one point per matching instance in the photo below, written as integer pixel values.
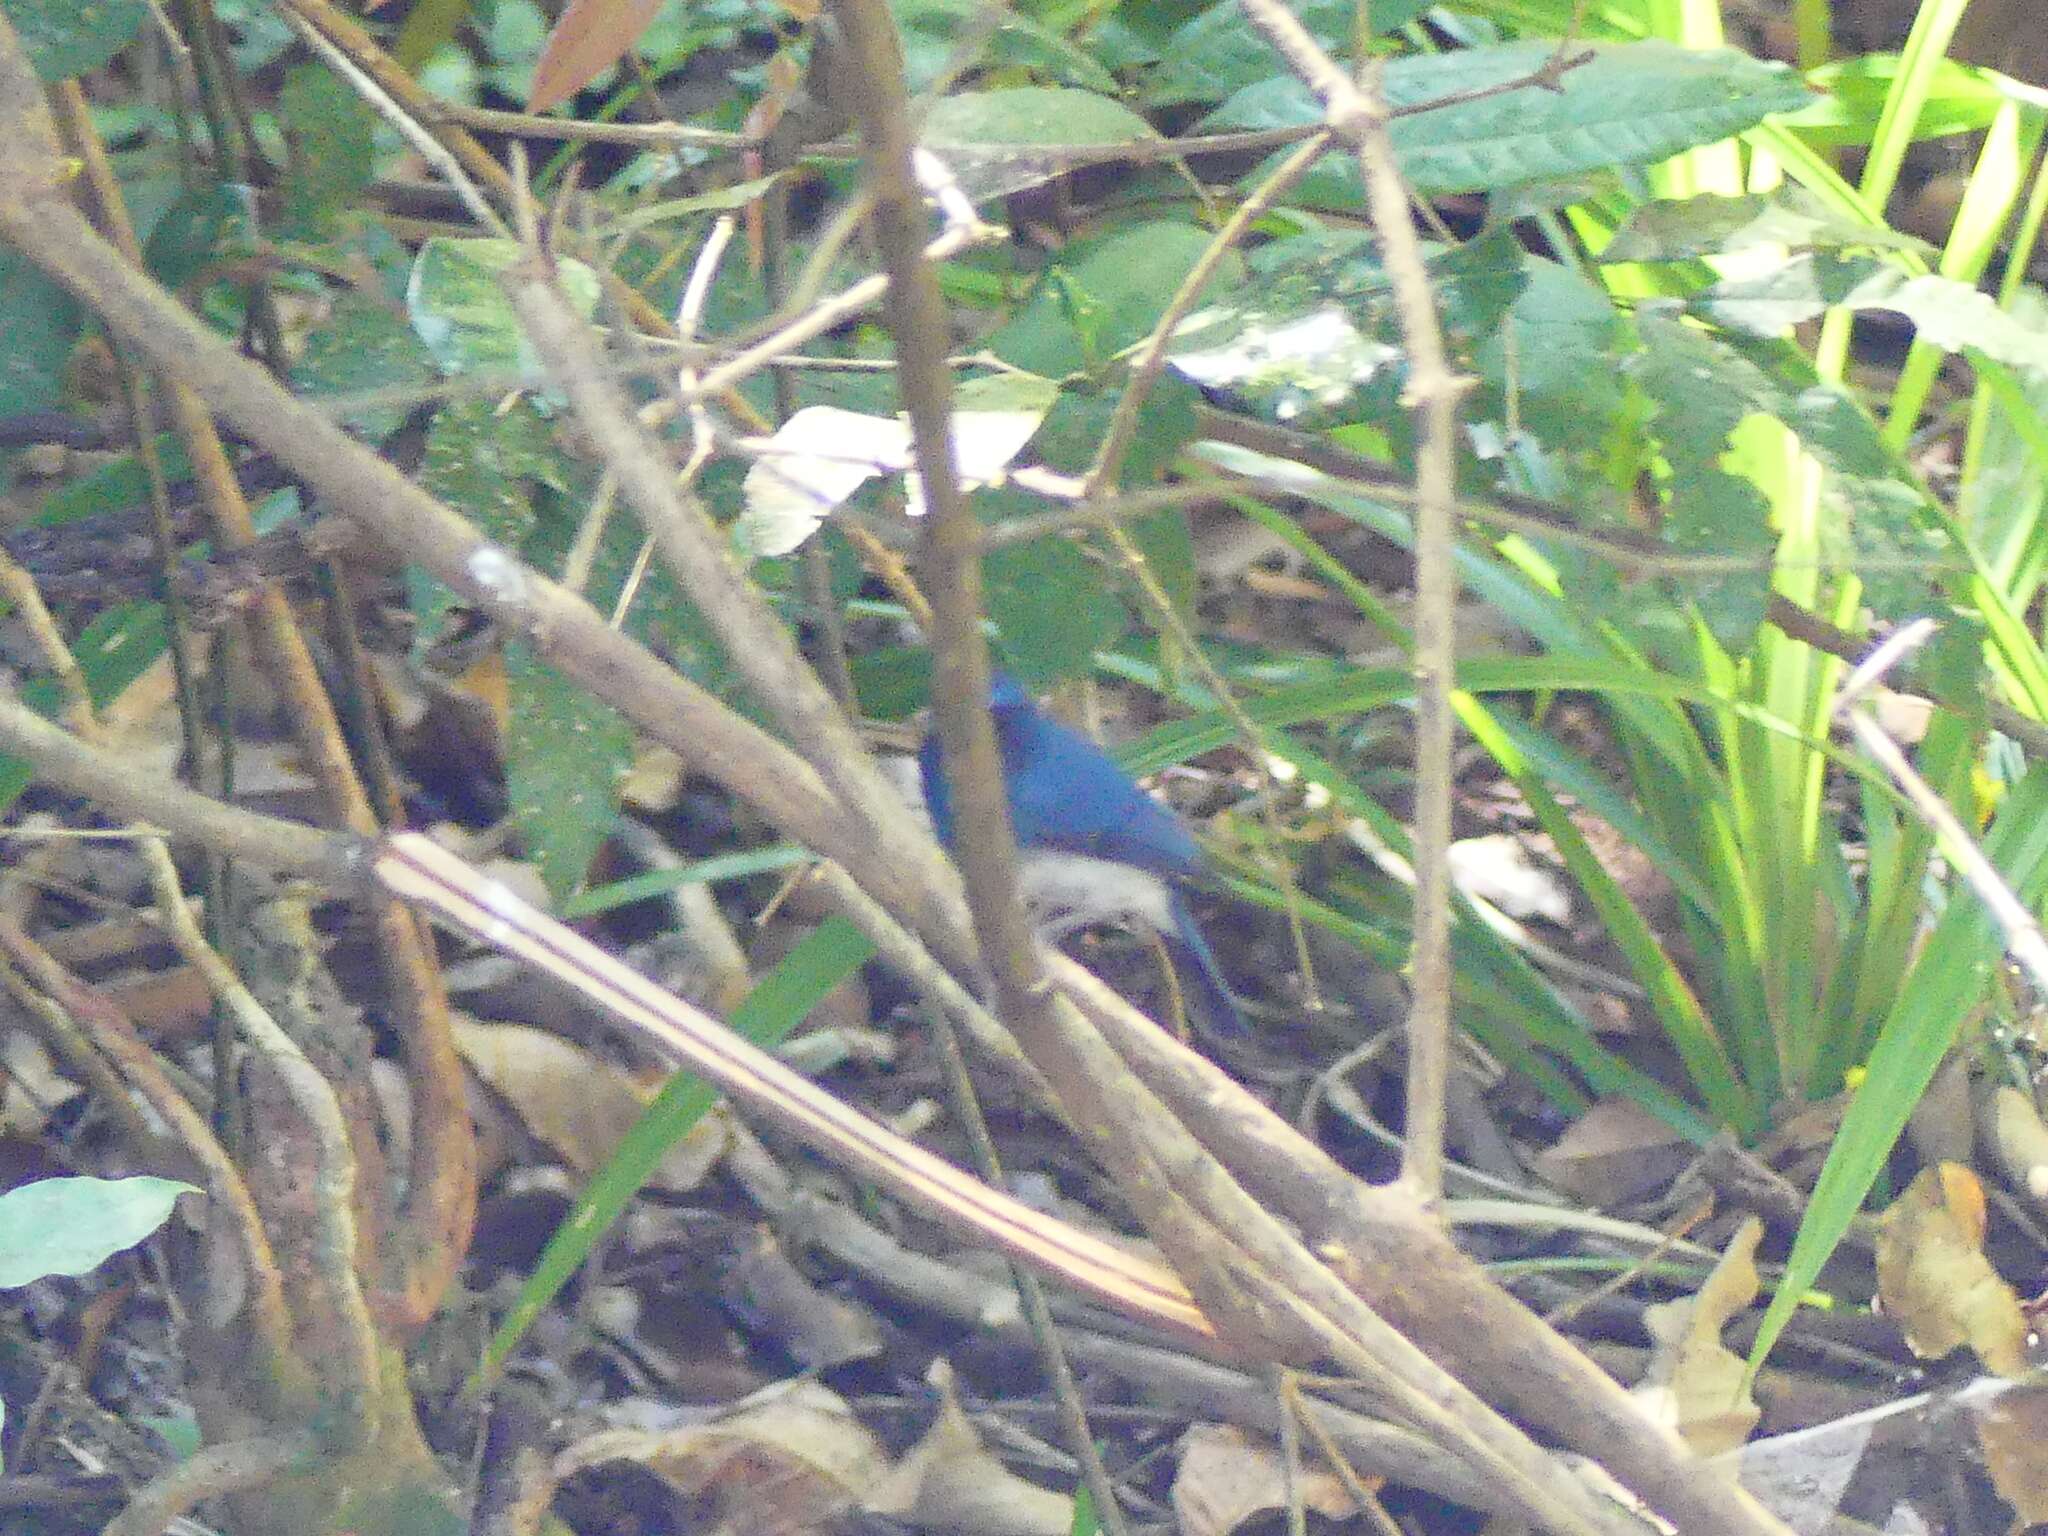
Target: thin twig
(1357, 114)
(2024, 939)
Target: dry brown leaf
(31, 1087)
(1614, 1152)
(1933, 1280)
(2012, 1431)
(791, 1465)
(2021, 1142)
(578, 1104)
(1227, 1478)
(949, 1482)
(1694, 1382)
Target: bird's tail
(1214, 989)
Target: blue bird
(1093, 846)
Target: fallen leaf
(1227, 1478)
(1933, 1280)
(823, 454)
(949, 1482)
(1694, 1382)
(788, 1466)
(1499, 870)
(578, 1104)
(2012, 1431)
(2021, 1142)
(1616, 1151)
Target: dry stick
(19, 592)
(440, 1203)
(416, 869)
(332, 1305)
(265, 1320)
(1277, 1297)
(62, 759)
(952, 581)
(1133, 151)
(698, 554)
(1357, 114)
(37, 220)
(233, 1467)
(1045, 1337)
(1392, 1249)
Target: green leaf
(70, 1226)
(463, 314)
(331, 133)
(998, 142)
(1104, 295)
(118, 485)
(566, 754)
(1853, 94)
(1684, 229)
(1052, 607)
(204, 225)
(1631, 104)
(65, 38)
(1705, 388)
(933, 30)
(112, 651)
(364, 344)
(1945, 313)
(780, 1001)
(1216, 53)
(41, 323)
(486, 464)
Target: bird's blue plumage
(1068, 796)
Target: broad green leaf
(1105, 295)
(1631, 104)
(566, 755)
(780, 1001)
(461, 311)
(200, 229)
(1687, 228)
(331, 133)
(998, 142)
(1705, 388)
(486, 464)
(70, 1226)
(1945, 313)
(364, 344)
(1216, 53)
(1052, 606)
(65, 38)
(1563, 369)
(41, 323)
